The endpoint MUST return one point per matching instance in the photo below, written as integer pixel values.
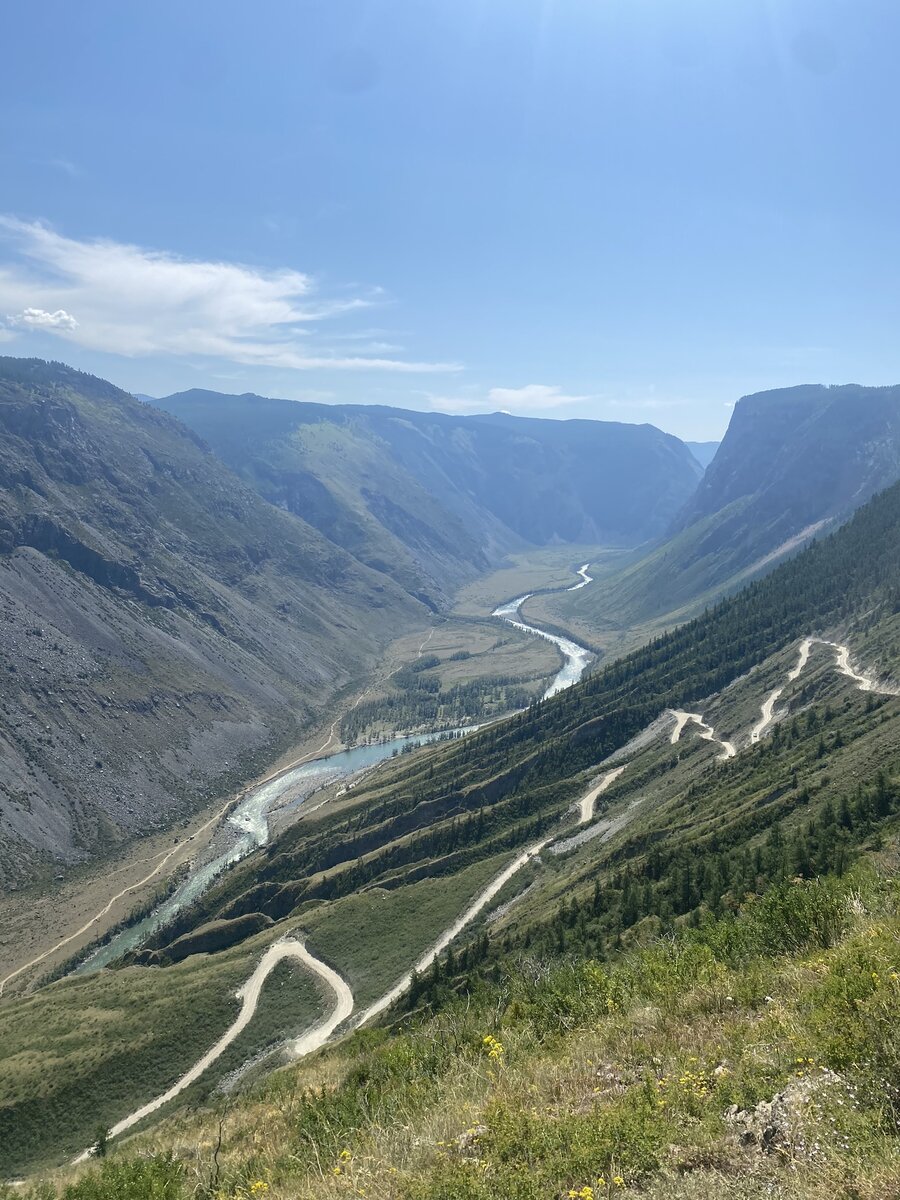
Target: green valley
(449, 601)
(670, 851)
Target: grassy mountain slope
(751, 1058)
(699, 1002)
(164, 632)
(794, 464)
(89, 1049)
(688, 838)
(435, 499)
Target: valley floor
(45, 927)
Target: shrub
(159, 1178)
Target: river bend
(247, 827)
(575, 657)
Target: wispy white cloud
(65, 165)
(139, 302)
(371, 341)
(532, 397)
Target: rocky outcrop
(791, 1122)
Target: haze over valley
(191, 639)
(449, 602)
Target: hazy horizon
(616, 211)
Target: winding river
(575, 657)
(247, 827)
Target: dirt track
(249, 994)
(343, 1008)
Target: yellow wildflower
(494, 1048)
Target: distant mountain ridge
(432, 499)
(704, 452)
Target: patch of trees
(419, 700)
(684, 884)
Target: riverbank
(45, 927)
(42, 930)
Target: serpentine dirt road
(589, 799)
(682, 719)
(480, 902)
(342, 1009)
(316, 1037)
(865, 683)
(249, 993)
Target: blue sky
(628, 209)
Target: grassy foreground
(82, 1053)
(756, 1056)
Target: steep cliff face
(163, 628)
(794, 464)
(800, 455)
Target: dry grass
(620, 1074)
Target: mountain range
(670, 949)
(168, 629)
(434, 499)
(184, 591)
